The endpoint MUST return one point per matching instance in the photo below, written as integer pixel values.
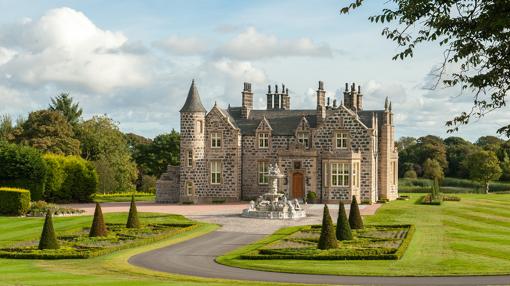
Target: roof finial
(269, 88)
(389, 108)
(359, 88)
(386, 103)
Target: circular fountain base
(273, 214)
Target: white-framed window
(356, 174)
(394, 173)
(263, 140)
(341, 140)
(303, 138)
(215, 140)
(339, 174)
(189, 189)
(263, 170)
(215, 172)
(190, 158)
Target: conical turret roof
(193, 102)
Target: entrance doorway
(298, 186)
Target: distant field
(470, 237)
(450, 185)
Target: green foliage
(355, 220)
(474, 37)
(343, 229)
(435, 191)
(433, 170)
(410, 174)
(148, 184)
(22, 167)
(64, 104)
(457, 150)
(14, 201)
(154, 157)
(311, 196)
(41, 208)
(49, 132)
(7, 129)
(98, 227)
(327, 239)
(133, 221)
(103, 143)
(484, 167)
(70, 179)
(48, 237)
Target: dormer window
(303, 138)
(215, 140)
(341, 140)
(263, 140)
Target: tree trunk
(487, 187)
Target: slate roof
(193, 102)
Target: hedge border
(14, 201)
(394, 256)
(5, 253)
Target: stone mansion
(336, 151)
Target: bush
(98, 227)
(70, 179)
(148, 184)
(22, 167)
(48, 238)
(410, 174)
(133, 221)
(343, 230)
(14, 201)
(355, 220)
(311, 197)
(40, 208)
(327, 239)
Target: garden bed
(80, 245)
(374, 242)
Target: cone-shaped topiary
(133, 221)
(355, 220)
(48, 237)
(327, 239)
(98, 227)
(343, 230)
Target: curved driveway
(195, 257)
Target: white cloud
(184, 46)
(6, 55)
(65, 47)
(250, 44)
(240, 70)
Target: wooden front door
(298, 188)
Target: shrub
(311, 197)
(133, 221)
(410, 174)
(22, 167)
(40, 208)
(14, 201)
(355, 220)
(343, 230)
(327, 239)
(48, 237)
(98, 227)
(148, 184)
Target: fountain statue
(273, 204)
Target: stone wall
(167, 187)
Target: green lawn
(108, 270)
(467, 237)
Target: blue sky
(134, 60)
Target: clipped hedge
(14, 201)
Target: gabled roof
(193, 102)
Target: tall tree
(433, 170)
(6, 128)
(50, 132)
(457, 150)
(475, 37)
(64, 103)
(153, 158)
(484, 167)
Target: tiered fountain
(273, 204)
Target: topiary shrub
(327, 239)
(22, 167)
(355, 220)
(343, 229)
(48, 237)
(133, 221)
(14, 201)
(98, 227)
(311, 197)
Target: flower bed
(40, 208)
(376, 242)
(80, 245)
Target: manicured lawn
(111, 269)
(458, 238)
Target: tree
(432, 170)
(484, 167)
(475, 42)
(6, 129)
(410, 174)
(133, 221)
(153, 158)
(48, 238)
(490, 143)
(98, 227)
(103, 143)
(457, 149)
(49, 132)
(343, 229)
(355, 220)
(64, 104)
(327, 240)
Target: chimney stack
(247, 106)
